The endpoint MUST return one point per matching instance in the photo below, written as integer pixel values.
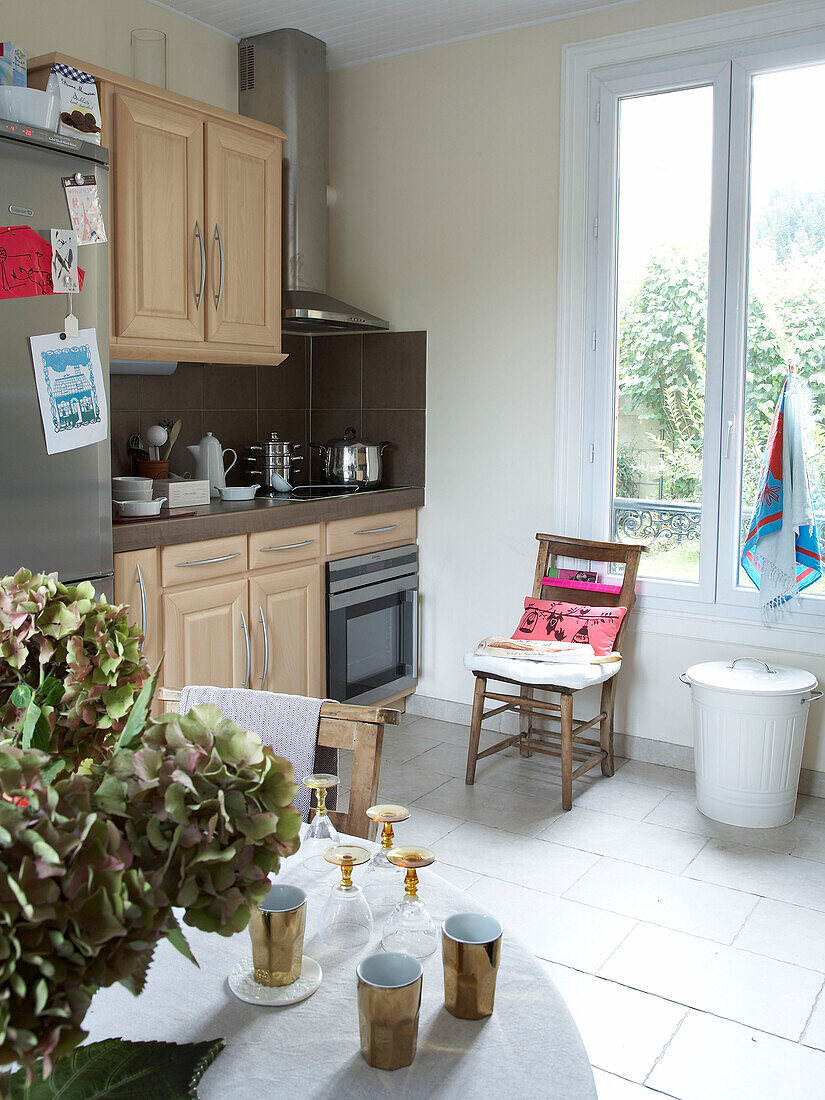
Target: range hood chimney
(283, 81)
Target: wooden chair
(567, 741)
(348, 728)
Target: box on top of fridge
(12, 65)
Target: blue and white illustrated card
(70, 389)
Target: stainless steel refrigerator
(55, 510)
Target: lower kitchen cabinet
(137, 583)
(285, 617)
(206, 635)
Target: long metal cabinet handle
(286, 546)
(206, 561)
(199, 236)
(219, 239)
(266, 648)
(143, 623)
(248, 650)
(375, 530)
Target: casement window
(704, 278)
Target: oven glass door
(371, 641)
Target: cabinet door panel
(289, 600)
(204, 635)
(158, 185)
(137, 583)
(243, 205)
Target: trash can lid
(751, 676)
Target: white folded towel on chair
(287, 724)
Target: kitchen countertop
(242, 517)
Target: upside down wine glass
(321, 833)
(410, 929)
(346, 919)
(387, 815)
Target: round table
(529, 1046)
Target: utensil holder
(154, 468)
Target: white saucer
(243, 984)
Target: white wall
(200, 62)
(447, 166)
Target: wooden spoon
(174, 432)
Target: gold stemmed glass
(321, 833)
(410, 929)
(388, 814)
(346, 919)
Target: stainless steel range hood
(283, 81)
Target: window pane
(786, 270)
(664, 203)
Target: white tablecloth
(529, 1046)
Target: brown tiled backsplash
(375, 383)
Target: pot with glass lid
(351, 461)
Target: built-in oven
(372, 625)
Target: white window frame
(724, 51)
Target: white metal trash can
(749, 723)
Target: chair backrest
(348, 728)
(552, 547)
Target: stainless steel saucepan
(350, 461)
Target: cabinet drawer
(190, 562)
(362, 532)
(291, 544)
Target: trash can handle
(684, 681)
(814, 696)
(770, 671)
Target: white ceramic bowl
(131, 483)
(30, 107)
(239, 492)
(134, 508)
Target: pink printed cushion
(571, 622)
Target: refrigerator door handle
(202, 281)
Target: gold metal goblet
(387, 814)
(410, 928)
(321, 832)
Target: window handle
(729, 434)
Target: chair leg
(566, 751)
(606, 727)
(524, 725)
(475, 728)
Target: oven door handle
(370, 592)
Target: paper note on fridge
(26, 263)
(70, 390)
(64, 262)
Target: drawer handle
(206, 561)
(286, 546)
(143, 622)
(376, 530)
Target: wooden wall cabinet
(195, 224)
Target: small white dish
(238, 492)
(119, 482)
(243, 985)
(30, 107)
(134, 508)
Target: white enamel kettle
(209, 459)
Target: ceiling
(361, 30)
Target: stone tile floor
(691, 954)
